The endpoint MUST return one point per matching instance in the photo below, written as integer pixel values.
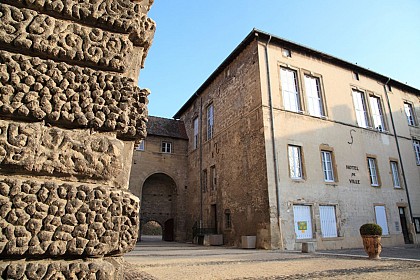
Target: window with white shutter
(328, 221)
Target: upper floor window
(213, 178)
(416, 145)
(195, 141)
(409, 112)
(210, 121)
(377, 113)
(314, 96)
(360, 108)
(356, 76)
(395, 174)
(166, 147)
(295, 162)
(204, 180)
(289, 88)
(327, 166)
(287, 53)
(140, 146)
(373, 172)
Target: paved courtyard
(164, 260)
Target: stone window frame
(411, 107)
(391, 161)
(210, 121)
(369, 159)
(302, 162)
(196, 132)
(327, 148)
(141, 145)
(166, 147)
(323, 103)
(300, 109)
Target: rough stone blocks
(70, 111)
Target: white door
(381, 219)
(328, 221)
(302, 221)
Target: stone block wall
(70, 111)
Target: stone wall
(70, 111)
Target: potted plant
(371, 234)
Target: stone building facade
(70, 112)
(292, 145)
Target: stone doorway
(158, 204)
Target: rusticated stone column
(70, 111)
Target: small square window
(356, 76)
(287, 53)
(140, 146)
(166, 147)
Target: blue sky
(193, 38)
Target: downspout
(201, 160)
(273, 141)
(400, 159)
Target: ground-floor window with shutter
(380, 214)
(302, 221)
(328, 221)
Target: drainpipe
(273, 141)
(201, 160)
(401, 161)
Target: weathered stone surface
(50, 219)
(29, 31)
(57, 269)
(125, 16)
(47, 150)
(71, 96)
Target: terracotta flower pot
(372, 245)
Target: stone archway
(158, 203)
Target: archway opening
(151, 231)
(158, 204)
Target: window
(373, 172)
(195, 141)
(140, 146)
(302, 221)
(360, 108)
(210, 121)
(213, 178)
(228, 219)
(356, 76)
(416, 145)
(377, 113)
(289, 87)
(313, 94)
(327, 166)
(204, 180)
(328, 221)
(381, 220)
(408, 108)
(166, 147)
(287, 53)
(395, 174)
(417, 224)
(295, 162)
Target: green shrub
(370, 229)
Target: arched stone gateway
(158, 203)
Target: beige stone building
(292, 145)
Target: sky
(194, 37)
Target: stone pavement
(171, 260)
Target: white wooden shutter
(328, 221)
(302, 221)
(381, 219)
